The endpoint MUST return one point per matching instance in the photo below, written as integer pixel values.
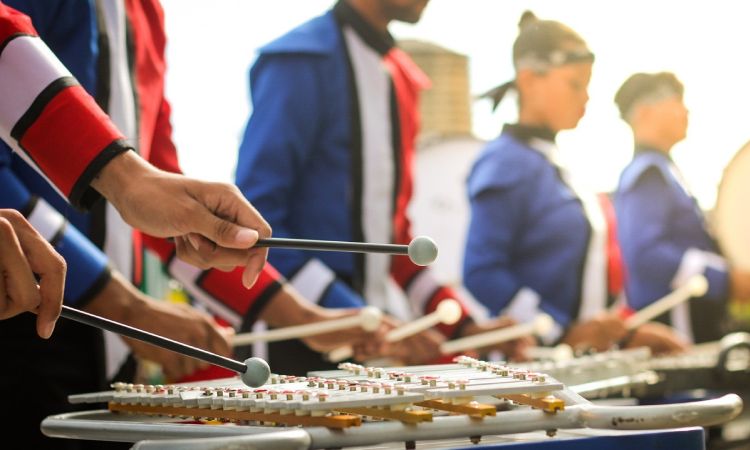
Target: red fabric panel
(615, 265)
(61, 150)
(155, 141)
(442, 294)
(162, 247)
(408, 81)
(227, 287)
(13, 22)
(209, 373)
(163, 152)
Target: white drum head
(732, 213)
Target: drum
(732, 214)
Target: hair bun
(527, 18)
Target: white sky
(211, 45)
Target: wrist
(118, 300)
(119, 174)
(466, 327)
(627, 338)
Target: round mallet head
(449, 311)
(371, 317)
(257, 372)
(698, 286)
(543, 324)
(422, 251)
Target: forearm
(46, 117)
(288, 308)
(119, 300)
(113, 180)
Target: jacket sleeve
(276, 144)
(88, 270)
(487, 269)
(47, 117)
(651, 255)
(221, 292)
(499, 194)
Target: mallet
(421, 250)
(368, 318)
(254, 372)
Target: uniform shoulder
(504, 163)
(643, 166)
(318, 36)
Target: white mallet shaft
(448, 312)
(368, 318)
(696, 286)
(540, 325)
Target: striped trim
(260, 302)
(421, 289)
(81, 194)
(313, 279)
(356, 169)
(226, 287)
(59, 235)
(695, 261)
(46, 219)
(27, 68)
(10, 38)
(188, 275)
(28, 160)
(121, 105)
(40, 102)
(95, 289)
(373, 85)
(71, 141)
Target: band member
(328, 154)
(664, 235)
(537, 243)
(51, 122)
(74, 360)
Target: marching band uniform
(40, 100)
(665, 241)
(328, 154)
(87, 40)
(535, 244)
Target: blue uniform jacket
(302, 79)
(663, 233)
(527, 230)
(66, 27)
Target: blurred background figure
(91, 39)
(664, 235)
(328, 154)
(536, 242)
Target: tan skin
(379, 13)
(287, 308)
(557, 100)
(661, 125)
(215, 220)
(25, 253)
(122, 302)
